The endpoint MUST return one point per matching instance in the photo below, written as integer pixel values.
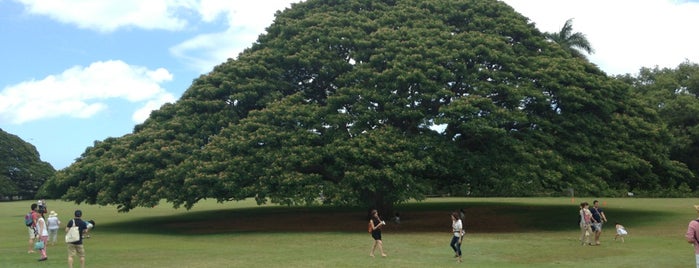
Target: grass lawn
(501, 232)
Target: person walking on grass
(585, 223)
(54, 223)
(692, 236)
(598, 218)
(76, 248)
(458, 235)
(42, 230)
(375, 223)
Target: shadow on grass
(485, 217)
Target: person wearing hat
(692, 235)
(54, 224)
(76, 248)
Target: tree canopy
(674, 94)
(374, 103)
(22, 171)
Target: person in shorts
(598, 218)
(76, 248)
(33, 233)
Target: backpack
(28, 221)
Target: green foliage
(379, 102)
(673, 94)
(21, 170)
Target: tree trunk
(384, 207)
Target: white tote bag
(73, 234)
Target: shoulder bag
(73, 234)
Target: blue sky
(78, 71)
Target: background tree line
(377, 102)
(22, 171)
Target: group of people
(41, 228)
(591, 221)
(457, 229)
(46, 230)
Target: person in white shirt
(458, 231)
(54, 223)
(620, 232)
(43, 235)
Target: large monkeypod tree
(376, 102)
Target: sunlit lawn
(501, 232)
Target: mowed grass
(501, 232)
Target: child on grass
(620, 232)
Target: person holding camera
(376, 223)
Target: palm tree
(570, 41)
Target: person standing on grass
(585, 223)
(42, 230)
(692, 236)
(598, 219)
(376, 223)
(32, 228)
(54, 223)
(458, 237)
(76, 248)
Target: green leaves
(21, 170)
(377, 102)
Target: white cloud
(110, 15)
(625, 34)
(82, 92)
(246, 20)
(205, 51)
(143, 113)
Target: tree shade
(378, 102)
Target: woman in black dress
(375, 223)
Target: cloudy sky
(78, 71)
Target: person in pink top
(692, 236)
(585, 224)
